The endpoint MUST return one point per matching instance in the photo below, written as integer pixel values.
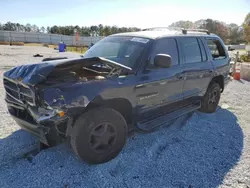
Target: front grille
(19, 93)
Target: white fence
(28, 37)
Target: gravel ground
(197, 150)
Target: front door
(159, 87)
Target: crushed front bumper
(49, 128)
(34, 129)
(46, 124)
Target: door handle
(163, 82)
(140, 86)
(210, 71)
(180, 76)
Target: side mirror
(163, 60)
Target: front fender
(73, 98)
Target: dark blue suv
(128, 81)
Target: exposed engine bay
(66, 70)
(78, 72)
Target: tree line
(96, 30)
(230, 33)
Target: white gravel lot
(199, 150)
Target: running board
(151, 124)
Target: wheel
(211, 99)
(99, 135)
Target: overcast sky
(138, 13)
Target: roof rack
(184, 31)
(162, 28)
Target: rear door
(198, 70)
(218, 56)
(159, 87)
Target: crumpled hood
(35, 73)
(29, 74)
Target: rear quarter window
(216, 49)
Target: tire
(211, 99)
(43, 146)
(99, 135)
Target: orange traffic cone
(237, 72)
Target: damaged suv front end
(21, 103)
(44, 98)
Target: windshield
(121, 49)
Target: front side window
(165, 46)
(191, 50)
(122, 49)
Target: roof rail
(184, 31)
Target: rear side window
(216, 49)
(165, 46)
(191, 50)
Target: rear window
(216, 49)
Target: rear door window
(191, 49)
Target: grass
(6, 67)
(50, 46)
(13, 43)
(4, 43)
(245, 58)
(77, 49)
(80, 50)
(32, 44)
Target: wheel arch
(121, 105)
(219, 80)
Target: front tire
(211, 99)
(99, 135)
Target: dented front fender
(72, 98)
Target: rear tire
(211, 99)
(99, 135)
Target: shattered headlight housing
(52, 99)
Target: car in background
(230, 48)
